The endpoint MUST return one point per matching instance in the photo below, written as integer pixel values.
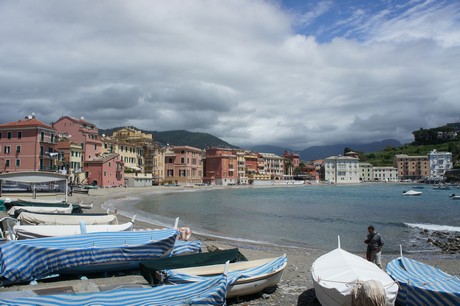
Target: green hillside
(385, 157)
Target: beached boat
(411, 193)
(338, 273)
(454, 196)
(245, 277)
(422, 284)
(26, 260)
(16, 210)
(151, 269)
(21, 232)
(30, 218)
(47, 206)
(211, 291)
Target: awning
(33, 177)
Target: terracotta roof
(32, 122)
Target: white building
(439, 163)
(386, 174)
(341, 169)
(366, 172)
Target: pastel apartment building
(440, 162)
(411, 167)
(386, 174)
(183, 165)
(291, 162)
(273, 165)
(366, 172)
(71, 159)
(82, 132)
(27, 145)
(221, 167)
(105, 170)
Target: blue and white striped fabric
(25, 260)
(233, 276)
(211, 291)
(186, 247)
(421, 284)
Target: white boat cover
(25, 260)
(211, 291)
(412, 193)
(42, 209)
(41, 231)
(422, 284)
(337, 272)
(28, 218)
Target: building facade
(411, 167)
(221, 167)
(105, 171)
(366, 172)
(27, 145)
(183, 165)
(386, 174)
(440, 162)
(341, 170)
(273, 165)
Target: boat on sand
(422, 284)
(340, 277)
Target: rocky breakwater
(448, 242)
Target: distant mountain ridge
(204, 140)
(321, 152)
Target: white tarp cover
(42, 209)
(54, 219)
(33, 177)
(337, 272)
(41, 231)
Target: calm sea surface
(305, 216)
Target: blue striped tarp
(185, 247)
(25, 260)
(421, 284)
(233, 276)
(211, 291)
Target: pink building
(221, 167)
(183, 165)
(27, 145)
(105, 171)
(81, 132)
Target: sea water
(306, 215)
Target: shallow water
(306, 216)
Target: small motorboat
(411, 193)
(454, 196)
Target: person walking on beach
(374, 243)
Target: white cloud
(234, 69)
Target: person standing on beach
(374, 243)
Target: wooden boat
(30, 218)
(454, 197)
(245, 277)
(338, 272)
(421, 284)
(209, 292)
(26, 260)
(21, 232)
(151, 269)
(411, 193)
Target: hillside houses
(129, 157)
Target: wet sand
(296, 286)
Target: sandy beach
(296, 286)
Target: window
(182, 173)
(18, 162)
(7, 162)
(9, 135)
(105, 173)
(182, 160)
(170, 172)
(19, 135)
(0, 135)
(18, 149)
(42, 136)
(7, 149)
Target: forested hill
(181, 138)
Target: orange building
(183, 165)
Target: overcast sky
(292, 73)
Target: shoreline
(296, 285)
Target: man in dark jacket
(374, 246)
